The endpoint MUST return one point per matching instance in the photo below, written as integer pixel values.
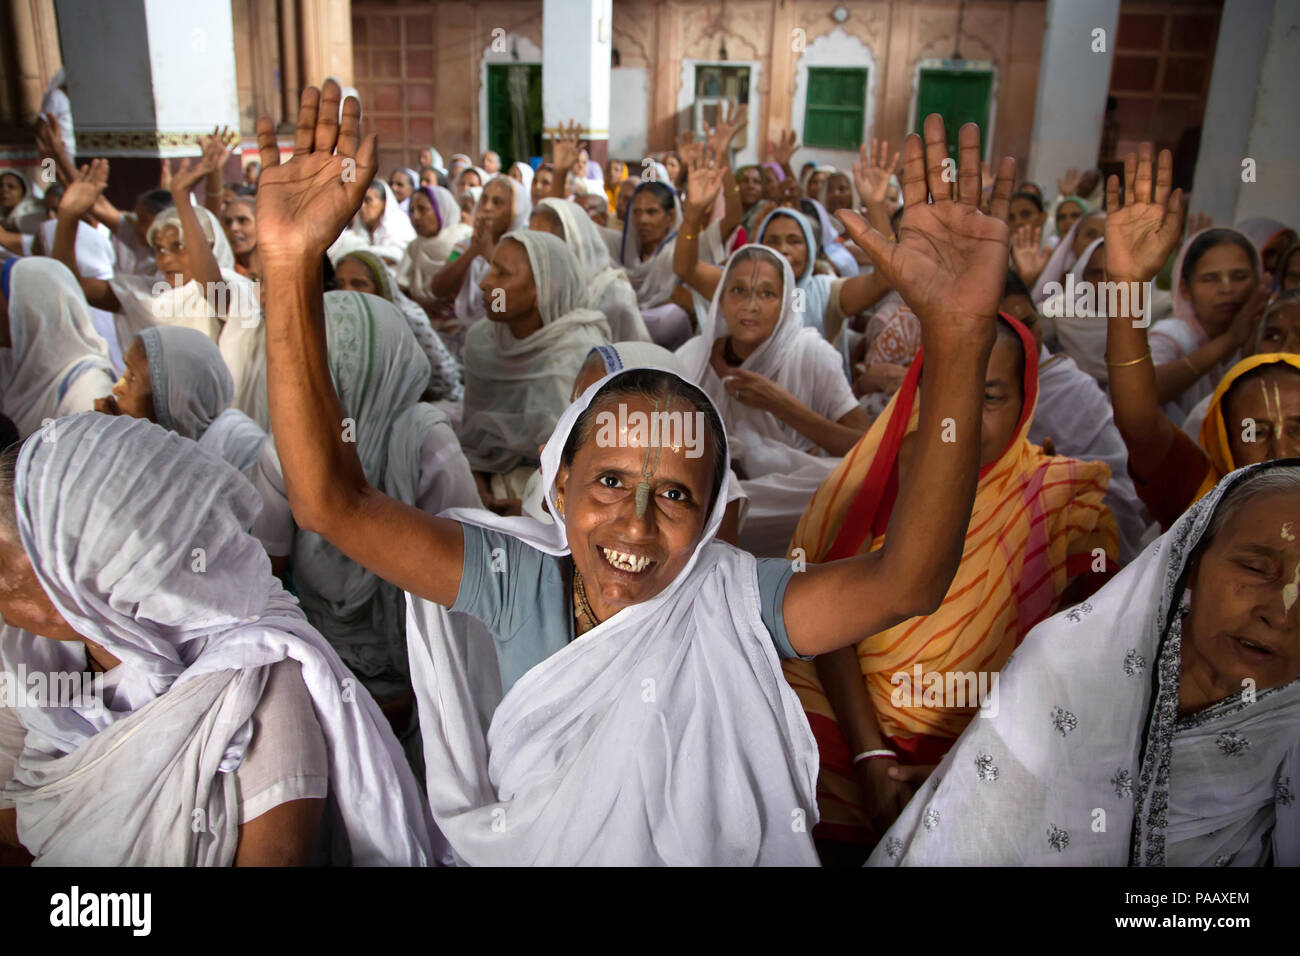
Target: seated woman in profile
(220, 727)
(1166, 707)
(626, 636)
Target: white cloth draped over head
(526, 175)
(390, 236)
(1082, 337)
(834, 251)
(784, 467)
(1060, 262)
(426, 255)
(192, 391)
(653, 279)
(1085, 717)
(608, 289)
(57, 363)
(109, 514)
(379, 373)
(96, 259)
(469, 301)
(27, 216)
(575, 763)
(516, 389)
(816, 288)
(435, 161)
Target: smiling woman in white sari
(1166, 706)
(212, 700)
(626, 635)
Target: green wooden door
(959, 96)
(837, 98)
(514, 118)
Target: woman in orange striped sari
(901, 698)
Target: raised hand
(1245, 324)
(950, 260)
(84, 189)
(1068, 183)
(566, 145)
(217, 148)
(1027, 253)
(729, 124)
(784, 148)
(688, 148)
(49, 138)
(1141, 234)
(1198, 222)
(872, 181)
(304, 204)
(703, 183)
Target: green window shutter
(835, 106)
(959, 96)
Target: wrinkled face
(1280, 330)
(839, 193)
(673, 165)
(540, 221)
(1003, 400)
(11, 192)
(1023, 213)
(1091, 228)
(1222, 280)
(428, 177)
(1066, 214)
(752, 297)
(650, 220)
(599, 498)
(169, 253)
(372, 207)
(1022, 307)
(750, 187)
(351, 275)
(508, 288)
(542, 180)
(1244, 620)
(1262, 417)
(400, 184)
(815, 183)
(423, 218)
(597, 208)
(784, 236)
(497, 204)
(133, 393)
(240, 224)
(1291, 273)
(23, 602)
(491, 162)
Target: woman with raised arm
(1254, 412)
(625, 635)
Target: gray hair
(172, 217)
(1260, 482)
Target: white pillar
(576, 39)
(1250, 115)
(147, 77)
(1073, 82)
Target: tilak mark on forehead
(648, 470)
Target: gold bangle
(685, 236)
(1136, 361)
(1192, 367)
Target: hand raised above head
(304, 204)
(87, 187)
(1142, 233)
(950, 260)
(872, 180)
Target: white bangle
(873, 754)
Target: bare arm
(80, 195)
(862, 291)
(949, 265)
(285, 835)
(302, 206)
(564, 153)
(198, 251)
(702, 187)
(836, 437)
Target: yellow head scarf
(1214, 430)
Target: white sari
(666, 735)
(784, 467)
(57, 363)
(110, 510)
(1080, 758)
(469, 301)
(389, 239)
(426, 255)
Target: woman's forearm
(846, 692)
(198, 250)
(1134, 395)
(1174, 378)
(862, 291)
(700, 276)
(446, 282)
(836, 438)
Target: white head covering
(816, 289)
(469, 301)
(27, 216)
(653, 279)
(839, 257)
(526, 172)
(110, 510)
(57, 362)
(1084, 719)
(436, 162)
(515, 389)
(582, 771)
(1060, 262)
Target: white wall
(629, 115)
(576, 36)
(837, 48)
(1073, 83)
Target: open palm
(950, 260)
(304, 204)
(1141, 234)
